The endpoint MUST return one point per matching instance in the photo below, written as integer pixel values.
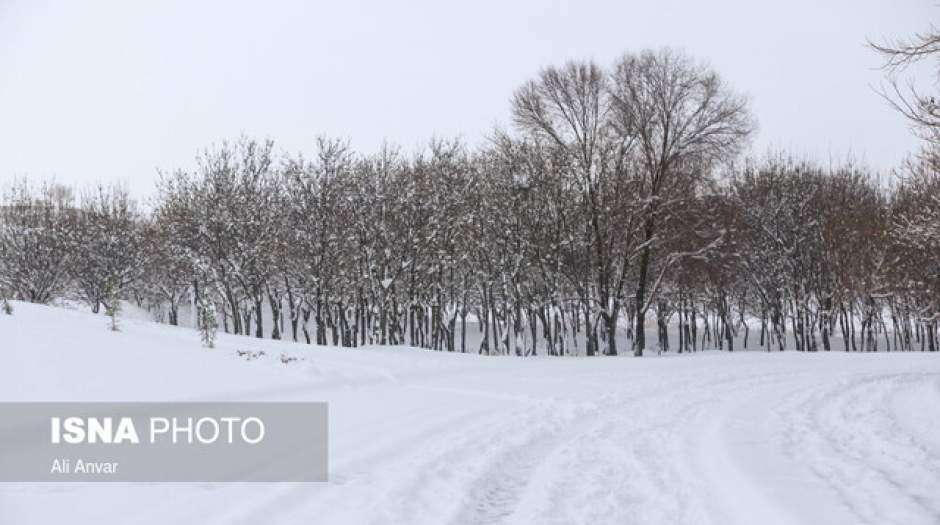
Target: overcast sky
(111, 91)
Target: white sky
(111, 91)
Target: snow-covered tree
(208, 321)
(37, 241)
(110, 255)
(684, 120)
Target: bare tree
(921, 110)
(570, 108)
(684, 120)
(110, 256)
(169, 272)
(37, 241)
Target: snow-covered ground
(425, 437)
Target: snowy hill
(427, 437)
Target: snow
(426, 437)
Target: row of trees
(613, 202)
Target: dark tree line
(617, 201)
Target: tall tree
(685, 120)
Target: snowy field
(425, 437)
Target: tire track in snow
(494, 495)
(636, 463)
(871, 454)
(438, 481)
(375, 469)
(606, 449)
(845, 438)
(416, 479)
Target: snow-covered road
(423, 437)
